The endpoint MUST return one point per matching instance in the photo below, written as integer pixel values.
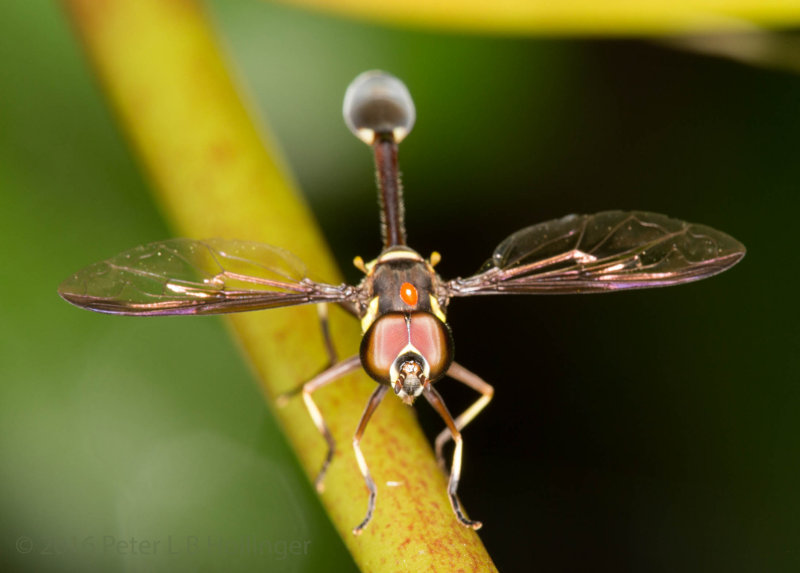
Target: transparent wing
(612, 250)
(184, 276)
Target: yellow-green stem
(215, 175)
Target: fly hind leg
(330, 350)
(324, 324)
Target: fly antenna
(378, 109)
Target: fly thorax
(399, 281)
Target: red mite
(402, 301)
(409, 294)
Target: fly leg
(455, 472)
(322, 379)
(373, 403)
(458, 372)
(324, 325)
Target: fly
(402, 302)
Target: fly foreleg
(455, 471)
(458, 372)
(373, 403)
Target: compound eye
(431, 338)
(382, 344)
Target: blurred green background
(645, 431)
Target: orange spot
(409, 294)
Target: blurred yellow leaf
(607, 17)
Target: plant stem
(215, 175)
